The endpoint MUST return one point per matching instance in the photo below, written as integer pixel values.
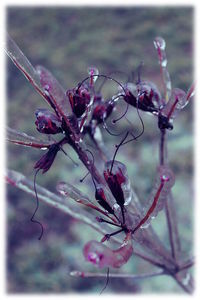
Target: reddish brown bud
(47, 122)
(101, 199)
(115, 179)
(102, 112)
(79, 99)
(46, 161)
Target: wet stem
(170, 213)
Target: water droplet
(164, 63)
(76, 273)
(128, 200)
(46, 87)
(116, 206)
(182, 99)
(186, 280)
(192, 94)
(159, 43)
(165, 177)
(93, 71)
(155, 44)
(146, 224)
(44, 148)
(62, 193)
(168, 85)
(93, 257)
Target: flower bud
(115, 180)
(145, 96)
(46, 161)
(79, 99)
(102, 111)
(101, 199)
(47, 122)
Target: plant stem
(162, 146)
(169, 206)
(87, 162)
(187, 264)
(187, 286)
(117, 275)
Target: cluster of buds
(89, 110)
(82, 110)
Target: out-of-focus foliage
(67, 40)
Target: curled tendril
(37, 207)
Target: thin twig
(170, 229)
(188, 264)
(149, 259)
(117, 275)
(162, 147)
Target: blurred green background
(67, 40)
